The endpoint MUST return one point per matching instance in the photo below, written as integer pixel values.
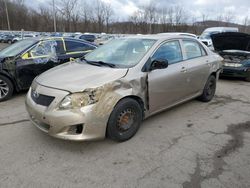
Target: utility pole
(7, 14)
(54, 15)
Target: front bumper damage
(75, 124)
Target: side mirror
(159, 64)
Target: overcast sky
(212, 8)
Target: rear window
(193, 49)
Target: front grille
(43, 100)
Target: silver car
(115, 87)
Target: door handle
(183, 69)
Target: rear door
(167, 86)
(197, 64)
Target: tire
(9, 42)
(6, 88)
(248, 78)
(125, 120)
(209, 90)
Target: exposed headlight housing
(78, 100)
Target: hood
(231, 41)
(75, 77)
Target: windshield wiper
(101, 63)
(98, 63)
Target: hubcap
(4, 89)
(125, 120)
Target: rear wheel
(6, 88)
(248, 78)
(209, 90)
(124, 120)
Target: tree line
(98, 16)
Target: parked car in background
(234, 47)
(8, 38)
(205, 37)
(69, 35)
(87, 37)
(55, 34)
(104, 39)
(21, 62)
(121, 83)
(1, 37)
(20, 37)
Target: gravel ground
(192, 145)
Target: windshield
(122, 53)
(207, 35)
(16, 48)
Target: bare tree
(229, 16)
(68, 11)
(100, 14)
(108, 12)
(179, 15)
(150, 15)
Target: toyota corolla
(115, 87)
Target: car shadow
(232, 79)
(83, 146)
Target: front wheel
(209, 90)
(6, 88)
(124, 120)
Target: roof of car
(51, 38)
(160, 37)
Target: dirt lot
(193, 145)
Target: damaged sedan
(21, 62)
(112, 89)
(234, 47)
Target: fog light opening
(75, 129)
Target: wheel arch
(11, 79)
(137, 99)
(134, 97)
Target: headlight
(78, 100)
(233, 65)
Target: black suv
(21, 62)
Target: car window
(44, 48)
(170, 51)
(87, 37)
(193, 49)
(74, 46)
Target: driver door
(167, 86)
